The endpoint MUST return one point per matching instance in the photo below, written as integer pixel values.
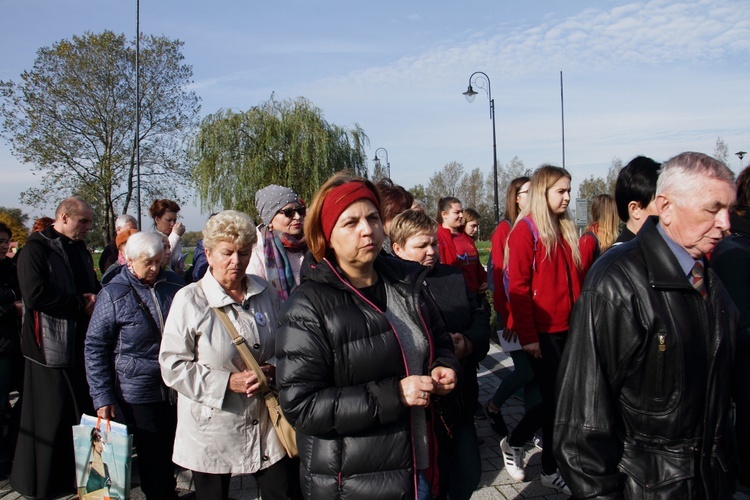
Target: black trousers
(278, 482)
(543, 415)
(153, 427)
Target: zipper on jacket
(660, 361)
(403, 359)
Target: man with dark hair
(643, 404)
(58, 286)
(634, 195)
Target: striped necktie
(696, 278)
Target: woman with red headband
(358, 362)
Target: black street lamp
(741, 155)
(138, 108)
(387, 163)
(480, 79)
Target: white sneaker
(513, 458)
(556, 482)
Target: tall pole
(387, 162)
(479, 81)
(562, 117)
(138, 106)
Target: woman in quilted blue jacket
(122, 365)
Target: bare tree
(612, 174)
(721, 151)
(444, 183)
(591, 187)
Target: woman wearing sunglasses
(277, 257)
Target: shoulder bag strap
(241, 345)
(146, 310)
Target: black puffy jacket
(339, 367)
(644, 382)
(461, 314)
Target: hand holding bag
(103, 459)
(284, 430)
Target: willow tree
(285, 142)
(73, 117)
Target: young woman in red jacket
(457, 248)
(543, 266)
(601, 234)
(516, 199)
(522, 376)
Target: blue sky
(651, 77)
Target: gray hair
(229, 225)
(685, 174)
(143, 244)
(124, 219)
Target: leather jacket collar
(663, 269)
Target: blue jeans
(424, 492)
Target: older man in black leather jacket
(644, 385)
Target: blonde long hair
(549, 228)
(604, 215)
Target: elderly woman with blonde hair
(223, 427)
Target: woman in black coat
(731, 262)
(414, 238)
(360, 355)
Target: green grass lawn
(484, 251)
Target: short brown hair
(394, 199)
(158, 207)
(411, 223)
(314, 234)
(470, 214)
(42, 223)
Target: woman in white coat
(223, 426)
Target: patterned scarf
(278, 270)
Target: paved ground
(495, 483)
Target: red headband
(339, 198)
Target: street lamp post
(387, 163)
(741, 155)
(480, 79)
(138, 107)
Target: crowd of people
(369, 316)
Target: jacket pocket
(657, 387)
(202, 414)
(655, 473)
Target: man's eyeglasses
(289, 212)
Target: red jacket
(469, 264)
(497, 255)
(542, 290)
(588, 245)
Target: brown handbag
(284, 430)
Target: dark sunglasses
(289, 212)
